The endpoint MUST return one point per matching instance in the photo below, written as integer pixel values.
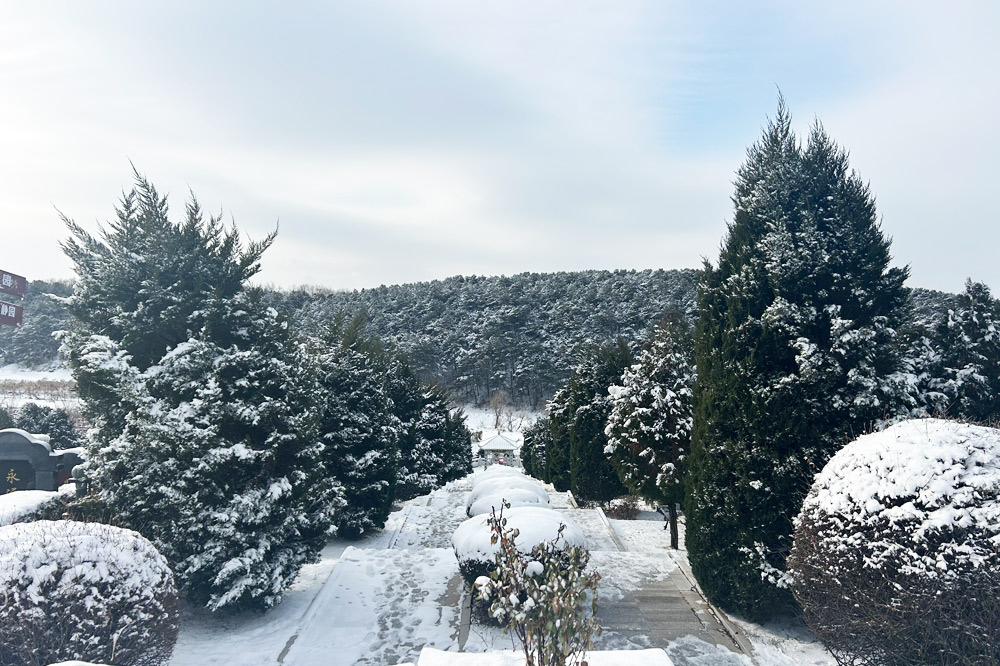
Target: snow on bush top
(17, 505)
(935, 482)
(497, 471)
(505, 484)
(40, 555)
(514, 496)
(471, 540)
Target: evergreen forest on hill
(473, 335)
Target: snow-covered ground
(14, 506)
(49, 388)
(14, 372)
(512, 421)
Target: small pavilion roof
(498, 443)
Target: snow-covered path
(377, 601)
(381, 607)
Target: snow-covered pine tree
(416, 473)
(435, 446)
(146, 282)
(559, 415)
(537, 438)
(795, 356)
(46, 420)
(649, 427)
(969, 344)
(204, 436)
(592, 477)
(357, 427)
(447, 427)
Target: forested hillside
(473, 335)
(518, 334)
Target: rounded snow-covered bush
(84, 591)
(513, 496)
(497, 471)
(476, 555)
(517, 489)
(897, 547)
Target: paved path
(670, 613)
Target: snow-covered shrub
(625, 507)
(541, 596)
(28, 505)
(497, 471)
(519, 490)
(83, 591)
(897, 547)
(513, 496)
(476, 552)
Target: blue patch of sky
(728, 62)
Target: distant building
(499, 449)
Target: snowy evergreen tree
(795, 356)
(435, 446)
(559, 413)
(649, 427)
(219, 463)
(577, 416)
(537, 438)
(147, 282)
(969, 344)
(416, 474)
(357, 427)
(592, 477)
(204, 434)
(445, 437)
(45, 420)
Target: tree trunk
(673, 526)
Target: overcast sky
(405, 141)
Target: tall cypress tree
(357, 426)
(592, 477)
(794, 353)
(557, 455)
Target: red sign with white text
(10, 314)
(12, 284)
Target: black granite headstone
(16, 475)
(27, 462)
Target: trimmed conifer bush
(84, 591)
(897, 549)
(476, 553)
